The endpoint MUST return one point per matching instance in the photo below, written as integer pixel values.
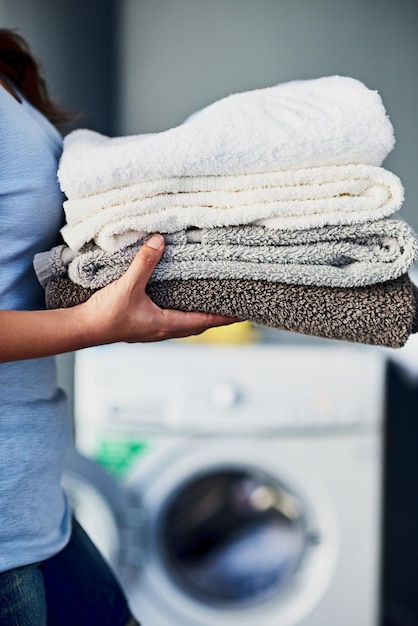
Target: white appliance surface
(255, 495)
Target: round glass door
(233, 536)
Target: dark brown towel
(383, 314)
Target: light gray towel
(344, 256)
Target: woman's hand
(122, 311)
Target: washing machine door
(97, 502)
(232, 535)
(225, 539)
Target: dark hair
(23, 71)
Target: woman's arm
(122, 311)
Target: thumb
(146, 260)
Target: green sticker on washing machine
(118, 455)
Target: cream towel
(333, 120)
(292, 199)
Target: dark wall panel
(76, 44)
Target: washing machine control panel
(183, 387)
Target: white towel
(293, 199)
(332, 120)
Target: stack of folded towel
(274, 206)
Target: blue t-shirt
(35, 425)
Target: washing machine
(251, 479)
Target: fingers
(181, 324)
(145, 261)
(212, 320)
(200, 325)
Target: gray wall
(180, 55)
(76, 44)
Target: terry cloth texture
(384, 314)
(52, 264)
(344, 256)
(298, 155)
(333, 120)
(274, 205)
(293, 199)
